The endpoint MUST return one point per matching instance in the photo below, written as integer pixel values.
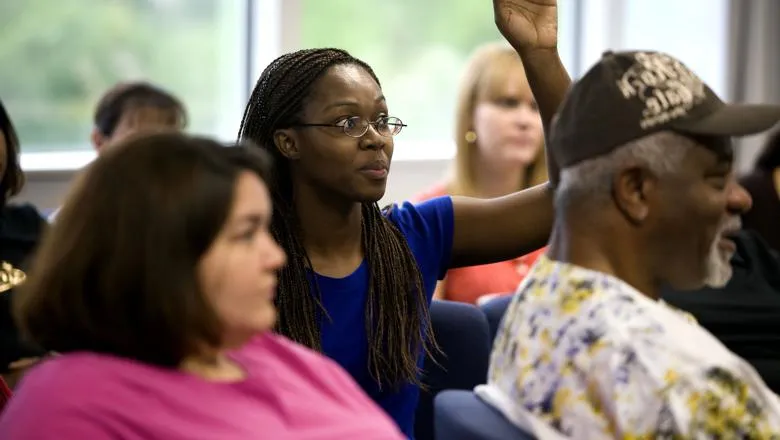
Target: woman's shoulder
(428, 228)
(70, 380)
(89, 395)
(428, 218)
(81, 366)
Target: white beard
(719, 270)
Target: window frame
(261, 24)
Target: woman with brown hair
(500, 150)
(156, 287)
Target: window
(58, 58)
(695, 31)
(418, 50)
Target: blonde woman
(499, 137)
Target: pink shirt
(290, 393)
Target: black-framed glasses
(356, 126)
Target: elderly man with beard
(647, 198)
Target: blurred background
(58, 56)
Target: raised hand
(531, 27)
(528, 24)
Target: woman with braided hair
(358, 281)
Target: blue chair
(494, 311)
(461, 415)
(464, 338)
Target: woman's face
(506, 120)
(355, 169)
(238, 273)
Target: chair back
(494, 311)
(463, 335)
(461, 415)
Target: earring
(471, 136)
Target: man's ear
(631, 188)
(98, 139)
(287, 144)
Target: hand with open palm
(528, 24)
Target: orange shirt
(467, 284)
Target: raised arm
(493, 230)
(531, 27)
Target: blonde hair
(489, 69)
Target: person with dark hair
(359, 281)
(763, 184)
(133, 107)
(130, 107)
(10, 167)
(163, 328)
(21, 227)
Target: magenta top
(290, 393)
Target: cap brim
(734, 120)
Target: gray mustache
(732, 224)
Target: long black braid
(397, 318)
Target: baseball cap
(629, 95)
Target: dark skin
(326, 164)
(326, 167)
(673, 218)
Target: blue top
(428, 228)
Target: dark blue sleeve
(428, 228)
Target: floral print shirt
(591, 357)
